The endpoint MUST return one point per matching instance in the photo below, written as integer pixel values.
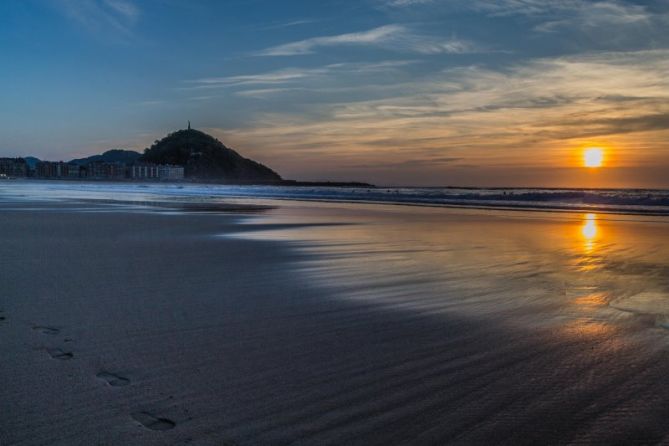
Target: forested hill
(204, 157)
(110, 156)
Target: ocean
(617, 201)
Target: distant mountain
(127, 157)
(204, 157)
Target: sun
(593, 157)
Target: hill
(206, 158)
(127, 157)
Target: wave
(632, 201)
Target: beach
(285, 322)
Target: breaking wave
(633, 201)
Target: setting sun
(593, 157)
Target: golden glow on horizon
(593, 157)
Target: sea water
(625, 201)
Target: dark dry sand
(122, 328)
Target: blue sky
(404, 92)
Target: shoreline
(180, 191)
(340, 184)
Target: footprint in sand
(57, 353)
(46, 330)
(113, 379)
(152, 422)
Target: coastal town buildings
(13, 167)
(143, 172)
(52, 169)
(97, 170)
(74, 171)
(170, 172)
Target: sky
(393, 92)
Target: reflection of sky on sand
(519, 267)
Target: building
(96, 171)
(143, 172)
(74, 171)
(52, 169)
(147, 171)
(13, 167)
(99, 170)
(170, 172)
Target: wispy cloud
(289, 24)
(492, 7)
(370, 37)
(294, 76)
(274, 77)
(522, 7)
(551, 14)
(392, 37)
(97, 16)
(124, 8)
(579, 85)
(475, 115)
(262, 93)
(598, 15)
(404, 3)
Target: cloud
(262, 93)
(404, 3)
(100, 16)
(292, 76)
(575, 25)
(522, 7)
(473, 116)
(490, 7)
(151, 103)
(427, 163)
(288, 24)
(370, 37)
(548, 83)
(124, 8)
(620, 125)
(598, 15)
(391, 37)
(274, 77)
(553, 14)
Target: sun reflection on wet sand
(590, 231)
(588, 328)
(588, 243)
(529, 269)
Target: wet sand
(330, 324)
